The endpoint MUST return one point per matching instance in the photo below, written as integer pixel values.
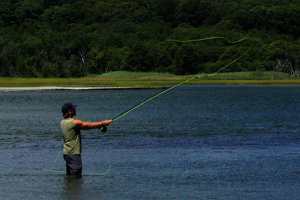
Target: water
(193, 142)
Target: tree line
(73, 38)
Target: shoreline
(50, 88)
(145, 80)
(77, 88)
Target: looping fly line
(209, 38)
(198, 75)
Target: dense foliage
(73, 38)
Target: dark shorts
(73, 164)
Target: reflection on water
(193, 142)
(71, 187)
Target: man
(72, 138)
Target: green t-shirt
(72, 136)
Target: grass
(256, 75)
(153, 80)
(133, 75)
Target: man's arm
(85, 125)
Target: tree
(142, 58)
(186, 60)
(193, 12)
(282, 56)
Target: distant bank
(141, 80)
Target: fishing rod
(104, 128)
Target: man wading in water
(70, 129)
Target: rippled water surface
(193, 142)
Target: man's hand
(106, 122)
(85, 125)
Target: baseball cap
(66, 107)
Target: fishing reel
(103, 129)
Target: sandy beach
(13, 89)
